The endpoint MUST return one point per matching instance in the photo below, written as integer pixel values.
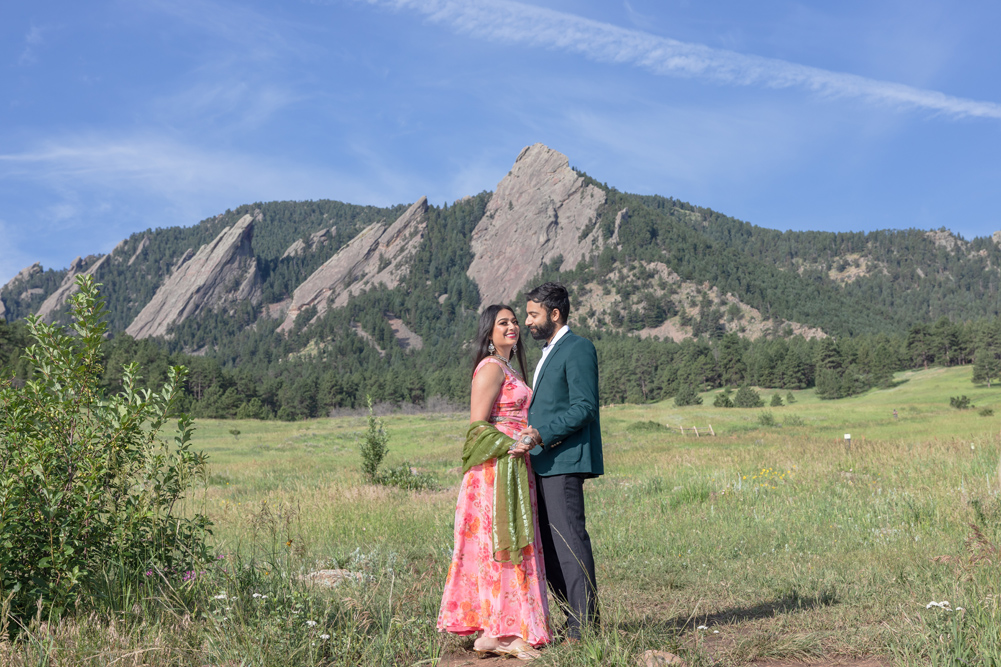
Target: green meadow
(774, 539)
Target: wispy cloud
(518, 23)
(32, 40)
(160, 166)
(92, 190)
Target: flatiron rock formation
(47, 311)
(541, 209)
(24, 274)
(142, 246)
(221, 272)
(316, 240)
(378, 255)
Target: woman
(496, 584)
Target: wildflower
(149, 573)
(324, 637)
(944, 604)
(311, 623)
(715, 632)
(221, 596)
(702, 627)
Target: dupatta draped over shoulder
(513, 523)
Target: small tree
(747, 398)
(776, 401)
(86, 482)
(723, 400)
(961, 402)
(373, 445)
(790, 398)
(687, 396)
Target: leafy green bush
(86, 482)
(961, 402)
(374, 445)
(646, 426)
(776, 400)
(986, 412)
(405, 477)
(747, 398)
(790, 399)
(766, 419)
(795, 420)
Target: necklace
(507, 363)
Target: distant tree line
(272, 383)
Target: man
(564, 440)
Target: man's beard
(543, 331)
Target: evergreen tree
(987, 361)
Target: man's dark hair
(552, 296)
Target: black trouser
(567, 549)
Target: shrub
(766, 419)
(722, 399)
(790, 399)
(687, 396)
(795, 420)
(646, 426)
(747, 398)
(961, 402)
(406, 477)
(373, 445)
(374, 449)
(986, 412)
(86, 483)
(776, 400)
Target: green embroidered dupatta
(513, 524)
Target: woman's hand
(526, 441)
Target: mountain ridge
(546, 219)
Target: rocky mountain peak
(542, 209)
(79, 266)
(222, 272)
(380, 254)
(316, 239)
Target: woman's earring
(514, 349)
(490, 348)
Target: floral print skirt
(501, 599)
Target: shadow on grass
(784, 604)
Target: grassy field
(778, 541)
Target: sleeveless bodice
(510, 410)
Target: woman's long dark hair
(486, 329)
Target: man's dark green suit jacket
(564, 409)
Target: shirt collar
(563, 330)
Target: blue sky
(120, 115)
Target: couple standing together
(519, 521)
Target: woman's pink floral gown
(501, 599)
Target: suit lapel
(549, 359)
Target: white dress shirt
(562, 331)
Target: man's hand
(521, 447)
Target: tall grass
(782, 541)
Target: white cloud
(158, 165)
(518, 23)
(32, 40)
(98, 189)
